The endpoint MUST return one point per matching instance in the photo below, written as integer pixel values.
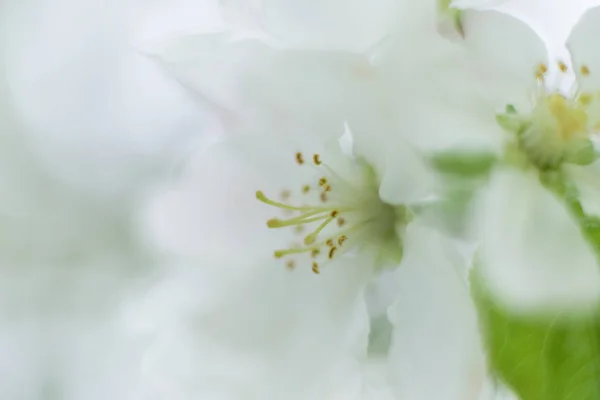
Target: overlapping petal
(259, 86)
(584, 50)
(352, 25)
(533, 255)
(507, 54)
(436, 350)
(267, 334)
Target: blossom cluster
(401, 203)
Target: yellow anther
(541, 70)
(332, 252)
(342, 239)
(315, 267)
(562, 67)
(317, 159)
(323, 197)
(305, 189)
(341, 222)
(290, 264)
(327, 188)
(334, 213)
(323, 181)
(299, 158)
(315, 252)
(585, 70)
(329, 242)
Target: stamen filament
(310, 239)
(261, 197)
(278, 223)
(298, 250)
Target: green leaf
(465, 164)
(541, 357)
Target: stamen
(290, 264)
(585, 70)
(329, 242)
(562, 67)
(541, 70)
(287, 252)
(261, 197)
(305, 189)
(341, 222)
(323, 197)
(323, 181)
(317, 159)
(342, 239)
(279, 223)
(327, 188)
(315, 267)
(315, 252)
(300, 158)
(310, 239)
(332, 252)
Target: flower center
(340, 214)
(556, 130)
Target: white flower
(281, 311)
(501, 98)
(338, 213)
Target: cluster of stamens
(556, 120)
(582, 99)
(331, 230)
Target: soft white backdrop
(100, 126)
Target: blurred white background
(92, 126)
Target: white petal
(436, 350)
(330, 24)
(406, 178)
(450, 112)
(532, 252)
(364, 381)
(268, 334)
(588, 186)
(583, 46)
(259, 86)
(457, 95)
(476, 3)
(507, 53)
